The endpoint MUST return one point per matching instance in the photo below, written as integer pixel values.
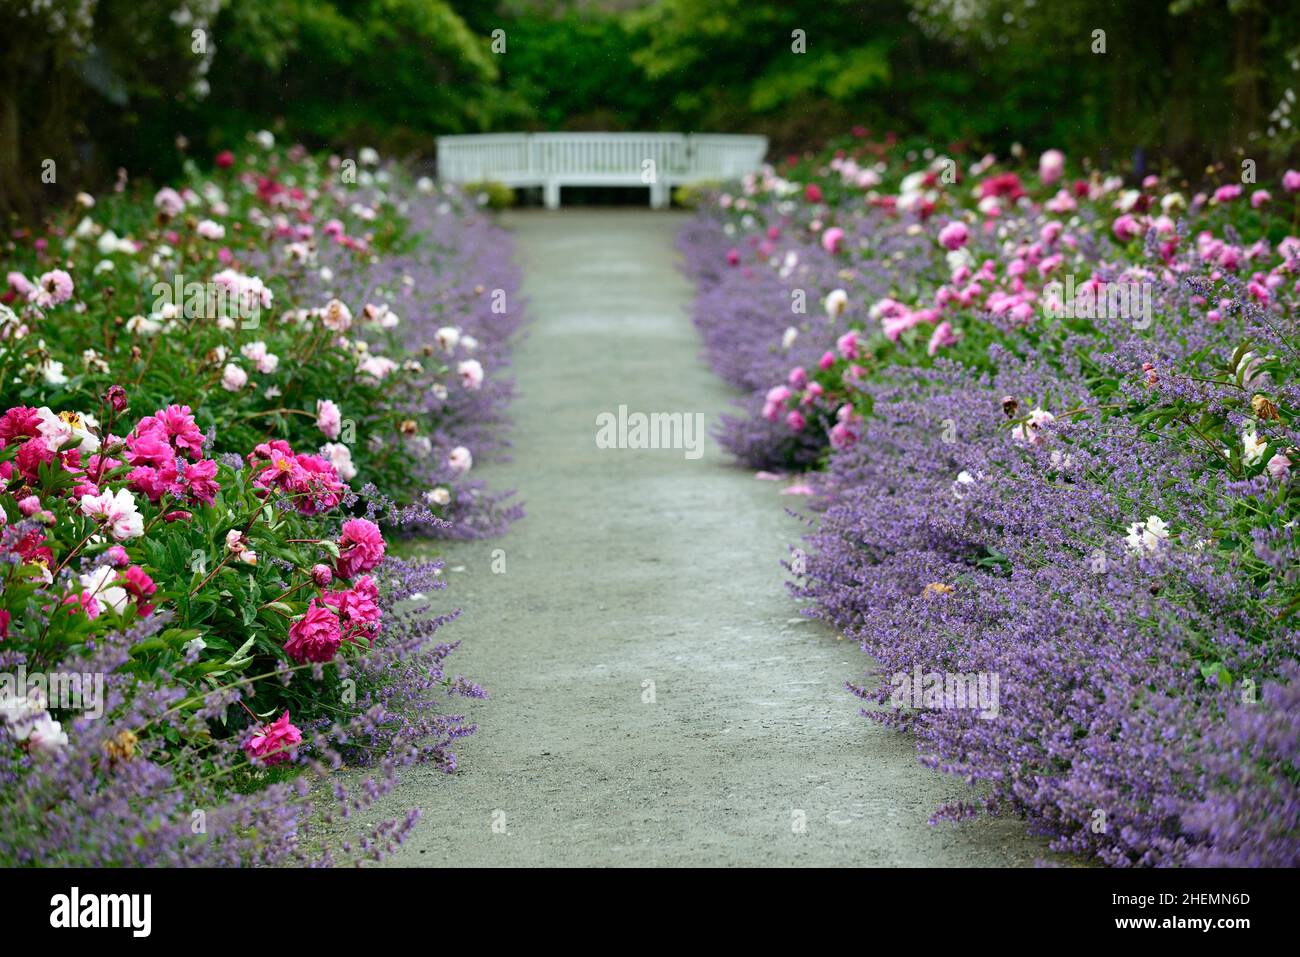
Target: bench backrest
(681, 157)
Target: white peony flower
(1145, 538)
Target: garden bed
(1047, 428)
(221, 399)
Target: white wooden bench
(552, 161)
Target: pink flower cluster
(309, 481)
(350, 614)
(165, 451)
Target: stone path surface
(639, 566)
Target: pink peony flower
(21, 421)
(1278, 466)
(795, 421)
(471, 374)
(832, 239)
(315, 636)
(459, 459)
(954, 236)
(1126, 227)
(1291, 181)
(169, 202)
(1051, 166)
(361, 547)
(273, 743)
(52, 288)
(941, 337)
(358, 609)
(328, 418)
(140, 586)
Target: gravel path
(645, 566)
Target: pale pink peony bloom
(941, 337)
(328, 418)
(1278, 466)
(471, 374)
(233, 378)
(460, 459)
(52, 288)
(117, 511)
(1051, 166)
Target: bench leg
(660, 197)
(551, 194)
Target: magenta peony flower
(140, 586)
(315, 636)
(954, 236)
(273, 743)
(20, 422)
(358, 609)
(1291, 181)
(361, 547)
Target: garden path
(647, 566)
